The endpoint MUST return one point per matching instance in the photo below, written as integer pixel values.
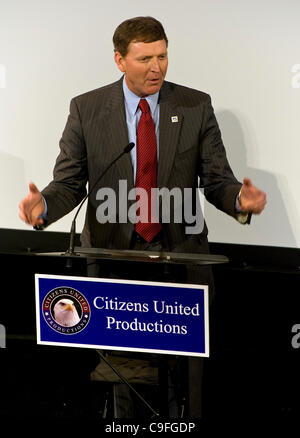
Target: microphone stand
(128, 384)
(70, 252)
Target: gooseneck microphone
(70, 251)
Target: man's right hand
(32, 207)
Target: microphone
(70, 251)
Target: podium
(169, 267)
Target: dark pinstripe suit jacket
(96, 132)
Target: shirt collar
(132, 100)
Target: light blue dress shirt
(133, 114)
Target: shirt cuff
(242, 216)
(43, 216)
(45, 212)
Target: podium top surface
(142, 256)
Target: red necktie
(146, 173)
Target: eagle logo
(66, 310)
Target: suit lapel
(118, 132)
(169, 130)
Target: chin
(153, 89)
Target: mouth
(154, 81)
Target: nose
(155, 65)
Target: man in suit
(187, 146)
(98, 129)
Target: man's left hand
(251, 199)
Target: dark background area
(253, 368)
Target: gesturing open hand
(32, 207)
(252, 199)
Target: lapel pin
(174, 119)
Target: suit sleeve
(70, 175)
(216, 177)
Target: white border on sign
(112, 280)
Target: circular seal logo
(66, 310)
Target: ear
(120, 61)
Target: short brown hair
(138, 29)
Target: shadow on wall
(12, 190)
(273, 225)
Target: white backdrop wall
(244, 54)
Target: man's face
(145, 66)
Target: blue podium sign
(168, 318)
